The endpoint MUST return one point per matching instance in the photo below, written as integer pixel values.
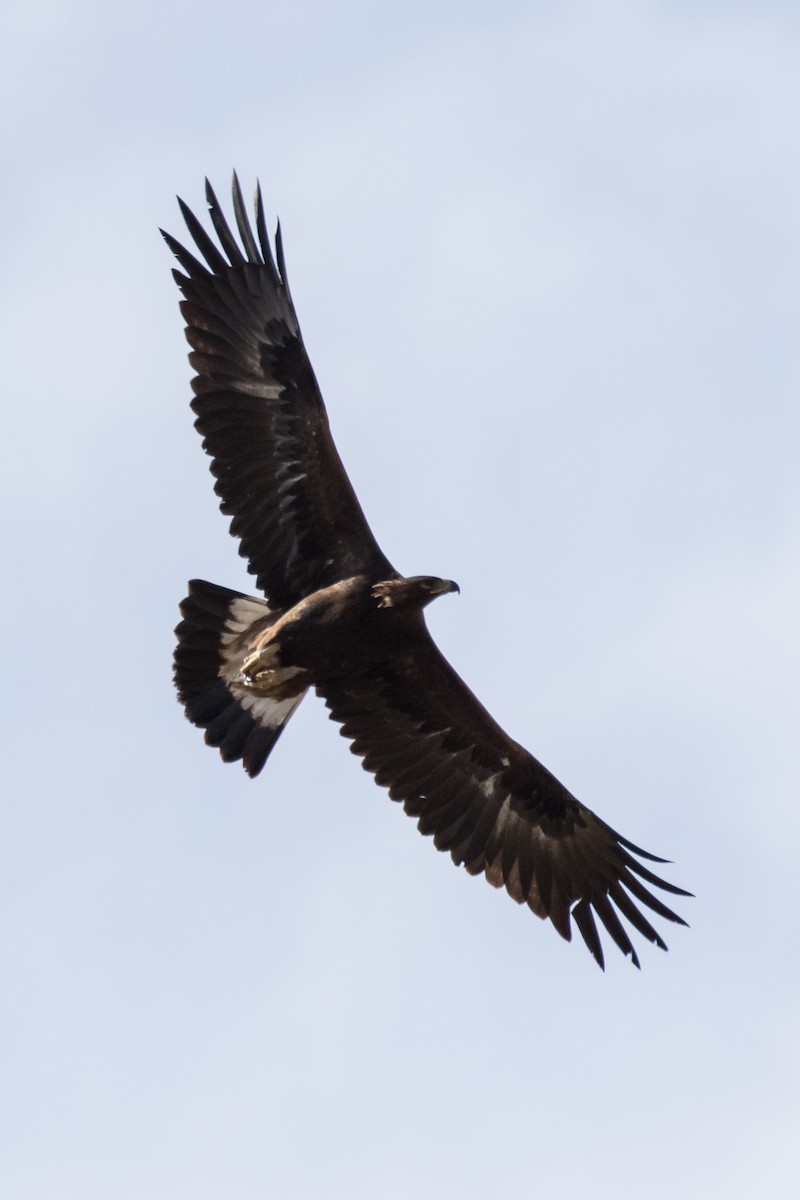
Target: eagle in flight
(340, 619)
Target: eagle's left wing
(425, 736)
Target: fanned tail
(215, 636)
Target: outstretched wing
(426, 737)
(261, 414)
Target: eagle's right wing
(423, 734)
(262, 417)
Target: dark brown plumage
(339, 618)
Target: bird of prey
(337, 617)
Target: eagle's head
(414, 592)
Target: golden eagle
(339, 618)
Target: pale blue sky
(546, 260)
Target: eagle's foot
(254, 671)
